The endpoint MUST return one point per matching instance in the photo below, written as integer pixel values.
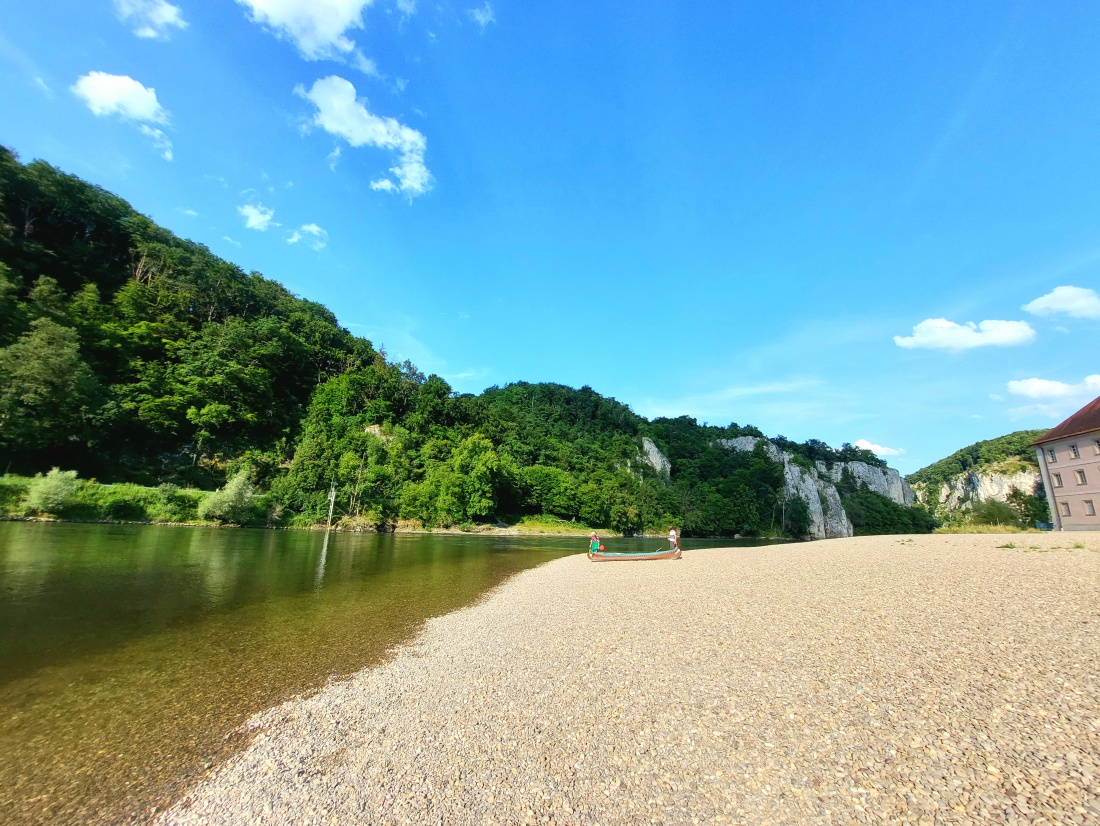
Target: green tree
(48, 395)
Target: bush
(12, 491)
(992, 512)
(230, 503)
(53, 492)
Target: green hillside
(133, 356)
(1012, 448)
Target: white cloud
(190, 213)
(483, 16)
(160, 140)
(42, 86)
(150, 19)
(941, 334)
(231, 241)
(333, 158)
(340, 114)
(1054, 399)
(257, 216)
(406, 7)
(119, 95)
(878, 450)
(123, 96)
(1076, 302)
(1047, 389)
(314, 236)
(317, 27)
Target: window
(1065, 509)
(1080, 474)
(1074, 452)
(1090, 509)
(1096, 447)
(1057, 479)
(1053, 456)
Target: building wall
(1063, 481)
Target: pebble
(924, 680)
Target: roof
(1084, 420)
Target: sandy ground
(930, 679)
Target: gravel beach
(929, 679)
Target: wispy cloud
(718, 404)
(1075, 302)
(482, 16)
(340, 113)
(150, 19)
(160, 140)
(314, 237)
(878, 450)
(231, 241)
(1054, 399)
(125, 97)
(190, 213)
(257, 216)
(941, 334)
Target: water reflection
(129, 652)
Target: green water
(129, 655)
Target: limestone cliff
(994, 482)
(652, 456)
(817, 488)
(884, 481)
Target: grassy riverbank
(62, 496)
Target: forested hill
(1011, 448)
(129, 354)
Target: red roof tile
(1084, 420)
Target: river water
(131, 655)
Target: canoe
(605, 556)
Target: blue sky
(846, 221)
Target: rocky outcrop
(652, 456)
(817, 487)
(967, 489)
(882, 480)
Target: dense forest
(133, 356)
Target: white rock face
(966, 489)
(884, 481)
(817, 488)
(652, 456)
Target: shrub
(992, 512)
(230, 503)
(12, 491)
(53, 492)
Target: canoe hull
(603, 556)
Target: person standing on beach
(673, 544)
(594, 545)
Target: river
(130, 656)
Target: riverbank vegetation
(198, 392)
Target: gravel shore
(929, 679)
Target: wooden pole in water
(331, 504)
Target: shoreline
(877, 678)
(481, 530)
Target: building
(1069, 460)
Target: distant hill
(1001, 451)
